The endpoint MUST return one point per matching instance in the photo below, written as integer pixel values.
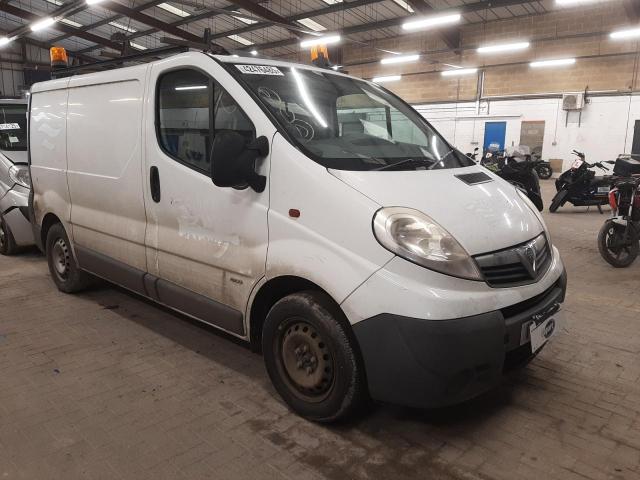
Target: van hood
(483, 217)
(16, 156)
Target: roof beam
(104, 21)
(150, 21)
(336, 7)
(31, 17)
(450, 36)
(267, 14)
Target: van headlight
(20, 174)
(414, 236)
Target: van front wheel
(62, 266)
(310, 358)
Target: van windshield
(13, 127)
(348, 124)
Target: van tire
(311, 359)
(7, 242)
(62, 265)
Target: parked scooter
(619, 237)
(518, 168)
(580, 186)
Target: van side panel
(105, 177)
(48, 144)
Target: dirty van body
(313, 214)
(15, 229)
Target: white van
(313, 214)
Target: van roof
(134, 71)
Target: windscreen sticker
(9, 126)
(259, 70)
(13, 139)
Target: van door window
(184, 127)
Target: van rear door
(203, 241)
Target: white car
(15, 229)
(313, 214)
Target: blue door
(494, 133)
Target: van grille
(519, 265)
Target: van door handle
(155, 184)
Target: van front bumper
(14, 210)
(433, 363)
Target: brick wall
(571, 32)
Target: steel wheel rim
(305, 360)
(61, 259)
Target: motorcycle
(518, 168)
(619, 237)
(473, 156)
(580, 186)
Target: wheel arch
(268, 294)
(49, 220)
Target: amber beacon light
(58, 57)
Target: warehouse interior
(114, 381)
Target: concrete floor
(105, 385)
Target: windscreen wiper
(402, 162)
(431, 167)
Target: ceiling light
(239, 39)
(248, 21)
(315, 26)
(54, 2)
(5, 40)
(400, 59)
(553, 63)
(191, 87)
(390, 78)
(320, 41)
(630, 33)
(336, 67)
(503, 47)
(459, 71)
(254, 52)
(93, 2)
(71, 23)
(137, 46)
(404, 5)
(126, 28)
(175, 10)
(42, 24)
(434, 21)
(332, 2)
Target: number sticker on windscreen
(259, 70)
(576, 164)
(9, 126)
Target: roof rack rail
(118, 62)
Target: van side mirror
(234, 159)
